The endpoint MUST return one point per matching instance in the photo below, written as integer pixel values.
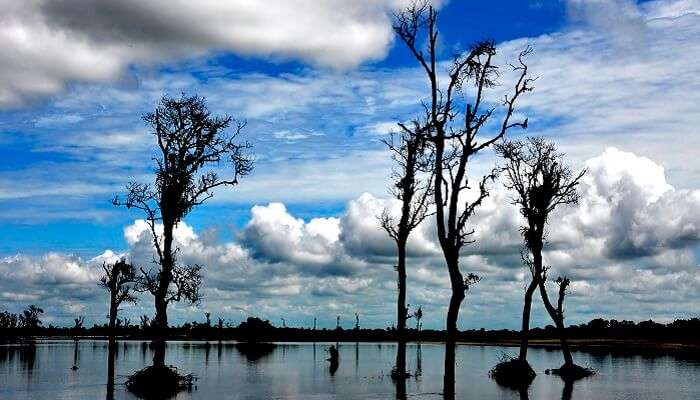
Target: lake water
(299, 371)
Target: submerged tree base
(571, 372)
(512, 372)
(396, 374)
(159, 382)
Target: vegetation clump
(159, 382)
(513, 372)
(571, 372)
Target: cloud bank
(629, 248)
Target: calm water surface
(299, 371)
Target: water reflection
(255, 351)
(419, 360)
(448, 383)
(112, 352)
(568, 389)
(357, 358)
(399, 373)
(333, 359)
(25, 353)
(523, 394)
(299, 371)
(76, 356)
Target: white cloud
(626, 78)
(630, 242)
(46, 44)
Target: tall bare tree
(411, 187)
(191, 143)
(120, 281)
(453, 119)
(536, 172)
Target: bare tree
(412, 161)
(119, 279)
(456, 138)
(145, 322)
(418, 315)
(78, 322)
(191, 141)
(536, 172)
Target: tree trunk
(161, 326)
(525, 329)
(451, 328)
(112, 314)
(401, 313)
(457, 282)
(559, 323)
(401, 302)
(160, 321)
(568, 358)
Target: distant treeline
(29, 324)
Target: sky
(320, 83)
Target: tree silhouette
(8, 320)
(418, 315)
(191, 142)
(120, 281)
(536, 172)
(31, 318)
(456, 143)
(411, 161)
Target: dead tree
(535, 171)
(119, 279)
(191, 142)
(413, 190)
(454, 116)
(418, 315)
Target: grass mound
(571, 371)
(513, 373)
(159, 382)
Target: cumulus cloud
(631, 241)
(46, 44)
(630, 245)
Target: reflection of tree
(255, 351)
(522, 391)
(419, 360)
(76, 356)
(112, 350)
(568, 389)
(27, 357)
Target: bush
(159, 382)
(512, 372)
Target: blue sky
(28, 132)
(617, 90)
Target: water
(299, 371)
